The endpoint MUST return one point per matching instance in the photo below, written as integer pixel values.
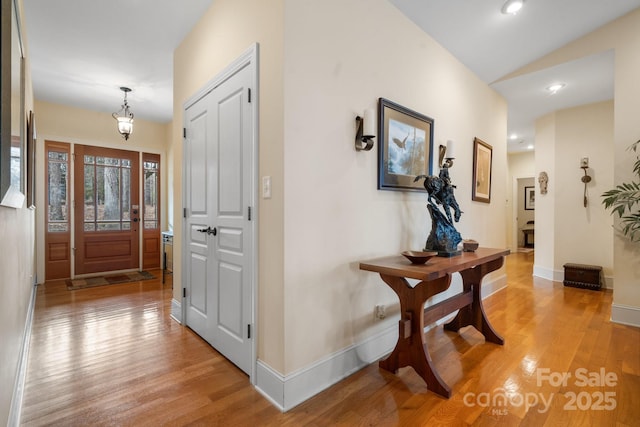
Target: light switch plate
(266, 187)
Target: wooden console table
(435, 277)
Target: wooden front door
(107, 209)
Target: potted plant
(624, 200)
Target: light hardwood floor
(112, 356)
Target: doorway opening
(99, 217)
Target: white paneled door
(219, 242)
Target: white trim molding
(548, 274)
(18, 389)
(176, 310)
(288, 391)
(625, 315)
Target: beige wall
(227, 29)
(317, 72)
(622, 36)
(579, 235)
(57, 122)
(335, 216)
(545, 206)
(17, 271)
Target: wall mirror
(11, 108)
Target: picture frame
(31, 161)
(405, 147)
(482, 166)
(529, 198)
(12, 114)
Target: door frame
(248, 59)
(41, 190)
(514, 209)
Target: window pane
(89, 160)
(108, 226)
(126, 194)
(89, 226)
(150, 194)
(108, 161)
(150, 225)
(57, 227)
(57, 191)
(108, 193)
(151, 188)
(89, 192)
(61, 157)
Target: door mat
(90, 282)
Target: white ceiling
(82, 51)
(493, 45)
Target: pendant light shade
(124, 117)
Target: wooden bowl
(469, 245)
(417, 257)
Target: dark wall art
(406, 139)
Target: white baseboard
(608, 282)
(548, 273)
(21, 376)
(625, 315)
(176, 310)
(288, 391)
(490, 288)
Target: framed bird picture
(405, 147)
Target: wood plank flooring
(111, 356)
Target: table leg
(411, 348)
(474, 314)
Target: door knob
(208, 230)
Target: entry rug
(90, 282)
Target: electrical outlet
(380, 312)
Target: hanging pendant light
(124, 117)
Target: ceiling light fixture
(511, 7)
(124, 117)
(554, 88)
(513, 136)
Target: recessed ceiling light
(511, 7)
(530, 147)
(513, 136)
(554, 88)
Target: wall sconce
(446, 155)
(365, 131)
(124, 117)
(584, 165)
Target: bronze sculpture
(444, 238)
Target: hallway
(111, 355)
